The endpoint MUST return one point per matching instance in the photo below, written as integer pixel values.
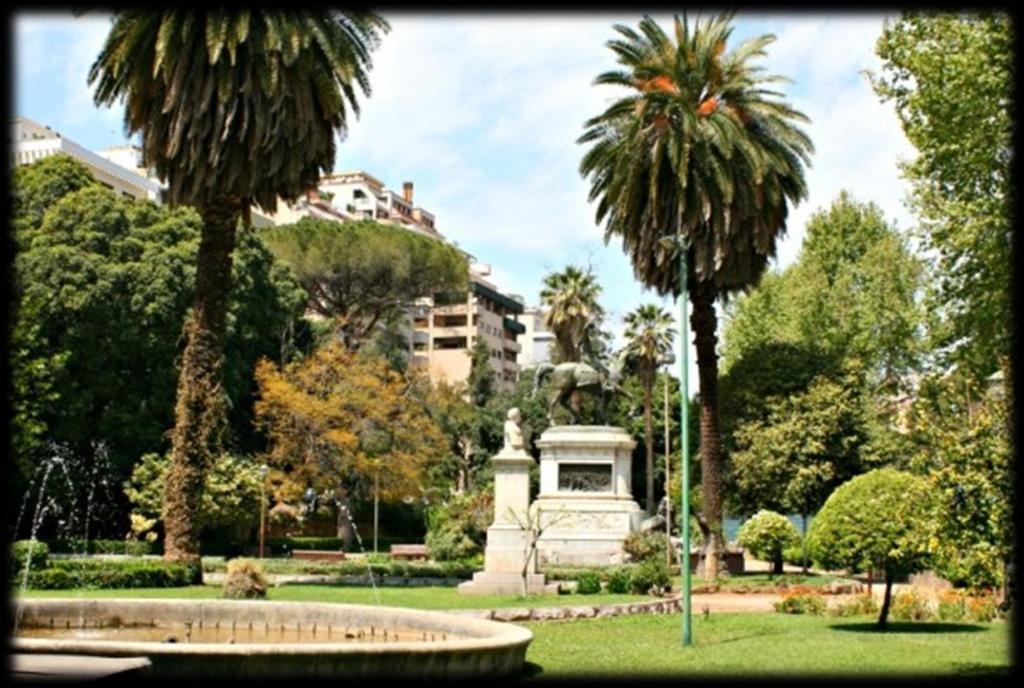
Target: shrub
(766, 534)
(801, 601)
(619, 579)
(961, 605)
(134, 548)
(911, 605)
(31, 552)
(861, 605)
(881, 519)
(245, 580)
(641, 547)
(588, 584)
(457, 529)
(650, 577)
(104, 573)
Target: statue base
(585, 502)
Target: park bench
(408, 551)
(318, 555)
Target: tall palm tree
(574, 315)
(235, 109)
(698, 154)
(649, 336)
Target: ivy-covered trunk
(649, 443)
(200, 414)
(704, 323)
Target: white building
(537, 340)
(117, 168)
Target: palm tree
(649, 336)
(699, 155)
(234, 109)
(573, 315)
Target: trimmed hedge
(93, 574)
(405, 569)
(282, 546)
(135, 548)
(32, 551)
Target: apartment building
(442, 330)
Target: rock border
(599, 611)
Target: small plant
(961, 605)
(861, 605)
(650, 577)
(245, 580)
(801, 600)
(588, 584)
(911, 606)
(618, 581)
(641, 547)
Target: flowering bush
(801, 600)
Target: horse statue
(573, 376)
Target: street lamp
(684, 393)
(264, 469)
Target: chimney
(407, 192)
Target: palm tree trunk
(704, 323)
(200, 414)
(649, 444)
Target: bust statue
(513, 433)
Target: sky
(482, 113)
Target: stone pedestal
(507, 541)
(585, 496)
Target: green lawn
(415, 597)
(761, 644)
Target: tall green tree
(234, 108)
(649, 336)
(950, 76)
(102, 286)
(700, 155)
(361, 274)
(574, 314)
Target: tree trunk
(883, 616)
(649, 445)
(200, 414)
(803, 539)
(776, 565)
(704, 323)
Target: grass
(764, 644)
(414, 597)
(761, 578)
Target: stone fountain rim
(499, 634)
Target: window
(358, 194)
(449, 342)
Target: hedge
(406, 569)
(133, 548)
(91, 573)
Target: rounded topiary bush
(245, 580)
(882, 520)
(766, 535)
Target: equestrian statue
(572, 376)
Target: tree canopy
(950, 77)
(358, 274)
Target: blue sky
(482, 113)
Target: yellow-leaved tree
(345, 424)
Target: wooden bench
(318, 555)
(408, 551)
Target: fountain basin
(258, 638)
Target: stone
(585, 504)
